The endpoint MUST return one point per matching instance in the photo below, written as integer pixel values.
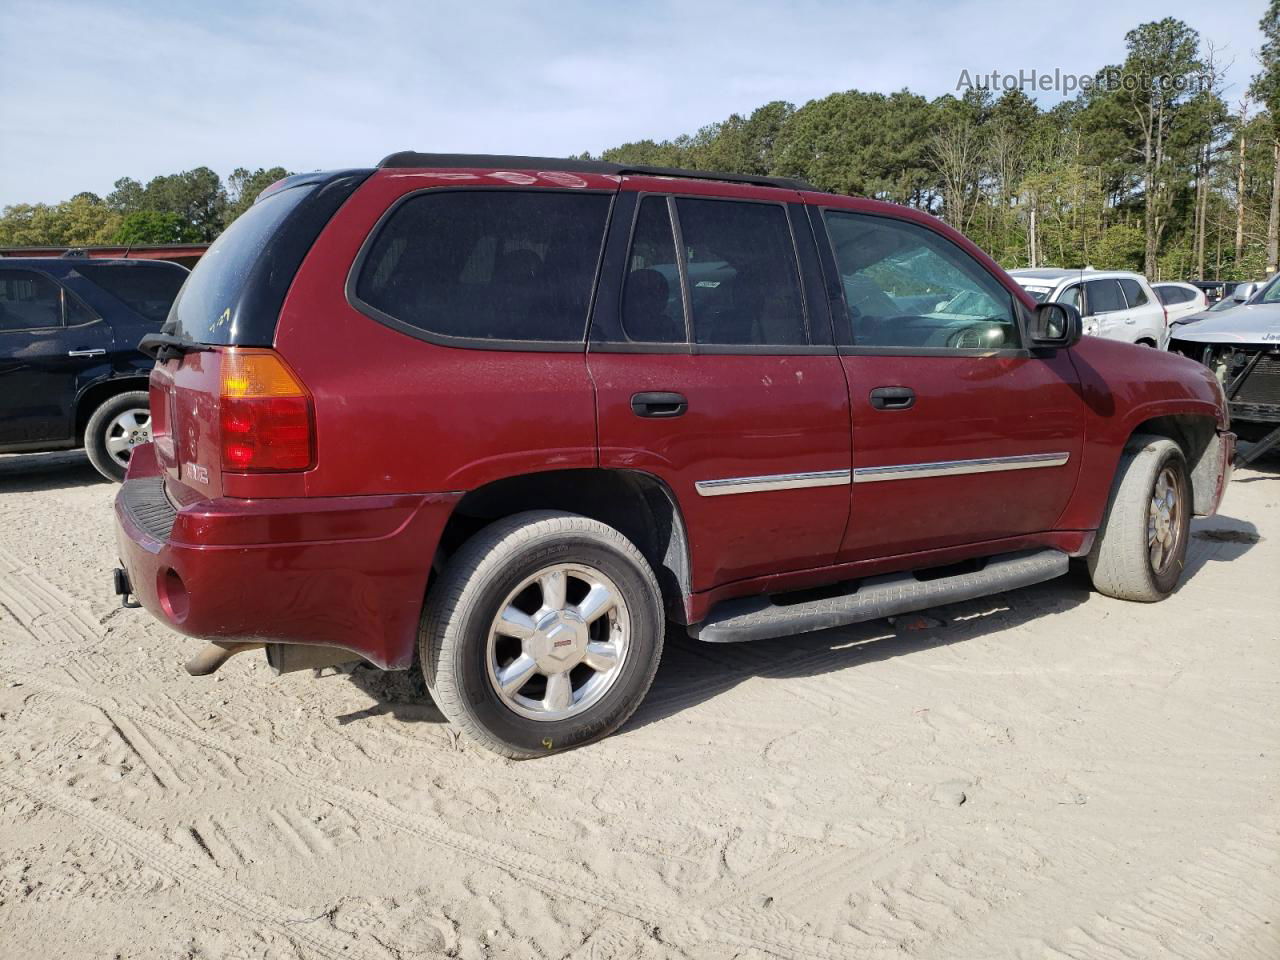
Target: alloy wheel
(558, 642)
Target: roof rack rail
(411, 159)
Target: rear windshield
(207, 310)
(148, 288)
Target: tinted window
(1171, 295)
(149, 289)
(1134, 295)
(488, 264)
(652, 309)
(28, 301)
(77, 311)
(205, 310)
(1071, 295)
(744, 283)
(906, 286)
(1105, 297)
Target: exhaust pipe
(214, 655)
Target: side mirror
(1244, 292)
(1055, 325)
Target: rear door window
(148, 289)
(494, 265)
(1105, 296)
(1134, 295)
(652, 307)
(744, 280)
(29, 301)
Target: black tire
(453, 643)
(102, 428)
(1121, 561)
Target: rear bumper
(347, 572)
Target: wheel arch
(1194, 433)
(637, 504)
(98, 393)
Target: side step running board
(758, 618)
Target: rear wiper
(165, 346)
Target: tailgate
(184, 418)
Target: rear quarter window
(486, 266)
(147, 289)
(1133, 292)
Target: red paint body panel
(748, 416)
(966, 408)
(343, 572)
(395, 414)
(1122, 385)
(339, 554)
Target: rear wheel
(116, 427)
(1141, 549)
(542, 633)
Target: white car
(1115, 304)
(1180, 299)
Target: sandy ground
(1048, 773)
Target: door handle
(893, 398)
(659, 405)
(87, 353)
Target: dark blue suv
(71, 374)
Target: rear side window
(499, 265)
(1105, 297)
(744, 281)
(148, 289)
(1134, 295)
(28, 301)
(652, 308)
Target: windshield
(1270, 293)
(207, 308)
(1038, 294)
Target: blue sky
(93, 91)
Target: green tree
(243, 187)
(153, 226)
(1266, 89)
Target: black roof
(411, 159)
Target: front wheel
(542, 633)
(1141, 549)
(116, 427)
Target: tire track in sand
(167, 859)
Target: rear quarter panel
(396, 414)
(1122, 385)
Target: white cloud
(93, 91)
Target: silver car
(1241, 345)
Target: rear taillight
(265, 414)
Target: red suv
(501, 419)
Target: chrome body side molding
(776, 481)
(955, 468)
(904, 471)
